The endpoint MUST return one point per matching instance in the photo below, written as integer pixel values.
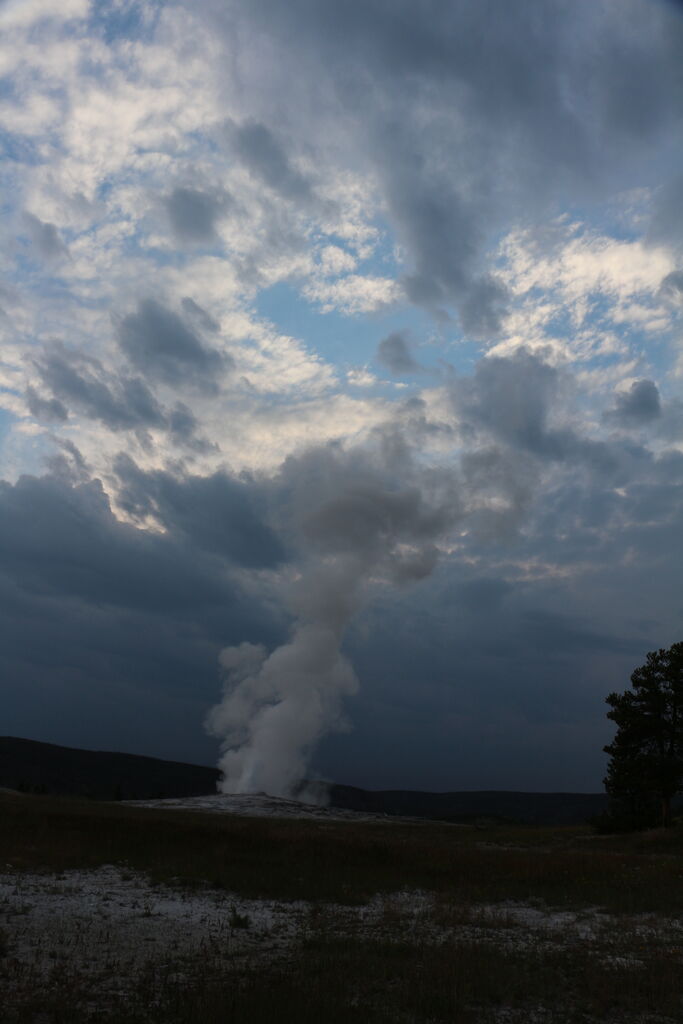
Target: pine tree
(646, 755)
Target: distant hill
(68, 771)
(531, 808)
(47, 768)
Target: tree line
(645, 768)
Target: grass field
(117, 913)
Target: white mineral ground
(261, 805)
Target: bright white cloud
(22, 14)
(354, 294)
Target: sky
(341, 411)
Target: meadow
(126, 914)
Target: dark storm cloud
(135, 615)
(45, 237)
(514, 400)
(526, 454)
(159, 343)
(111, 625)
(266, 158)
(394, 353)
(49, 410)
(79, 381)
(218, 513)
(182, 425)
(442, 235)
(65, 540)
(483, 307)
(499, 627)
(121, 403)
(506, 695)
(513, 647)
(193, 214)
(70, 464)
(638, 406)
(520, 405)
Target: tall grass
(341, 862)
(452, 961)
(335, 980)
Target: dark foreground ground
(116, 913)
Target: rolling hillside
(46, 768)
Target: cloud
(46, 409)
(195, 311)
(45, 237)
(183, 427)
(120, 402)
(484, 307)
(218, 513)
(353, 293)
(516, 415)
(340, 522)
(193, 214)
(514, 399)
(462, 119)
(158, 342)
(667, 216)
(24, 13)
(441, 234)
(124, 403)
(112, 623)
(394, 353)
(638, 406)
(672, 284)
(265, 157)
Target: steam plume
(277, 706)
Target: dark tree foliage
(645, 771)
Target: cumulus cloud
(193, 214)
(514, 399)
(218, 513)
(120, 402)
(158, 342)
(394, 353)
(672, 284)
(463, 116)
(45, 237)
(638, 406)
(196, 312)
(266, 158)
(45, 409)
(353, 293)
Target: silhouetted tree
(645, 771)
